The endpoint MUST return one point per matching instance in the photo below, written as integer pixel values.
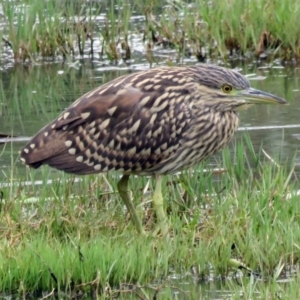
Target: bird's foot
(162, 220)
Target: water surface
(33, 95)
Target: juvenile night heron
(153, 122)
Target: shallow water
(32, 95)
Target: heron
(150, 123)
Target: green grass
(76, 237)
(203, 29)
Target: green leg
(123, 191)
(158, 203)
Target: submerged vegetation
(109, 29)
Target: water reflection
(31, 96)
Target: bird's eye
(226, 88)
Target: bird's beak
(253, 96)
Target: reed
(260, 29)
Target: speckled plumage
(152, 122)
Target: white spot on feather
(148, 86)
(72, 151)
(149, 134)
(111, 144)
(92, 131)
(112, 110)
(145, 100)
(158, 100)
(146, 152)
(81, 146)
(97, 167)
(153, 117)
(79, 158)
(161, 107)
(157, 151)
(135, 126)
(139, 84)
(104, 124)
(164, 146)
(85, 115)
(96, 136)
(68, 143)
(157, 132)
(88, 153)
(180, 116)
(66, 115)
(103, 90)
(131, 151)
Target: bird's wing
(129, 127)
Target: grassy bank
(73, 236)
(110, 29)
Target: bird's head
(225, 89)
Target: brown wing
(132, 124)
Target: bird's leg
(158, 203)
(124, 194)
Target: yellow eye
(226, 88)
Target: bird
(148, 123)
